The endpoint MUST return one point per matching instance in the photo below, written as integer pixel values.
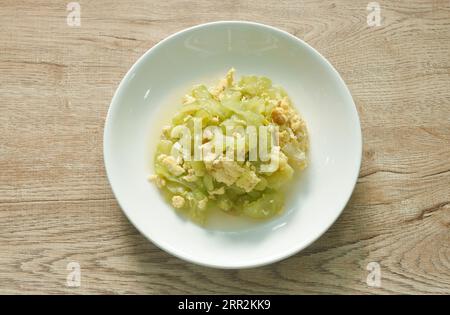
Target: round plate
(150, 93)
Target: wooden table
(56, 206)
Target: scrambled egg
(178, 202)
(224, 171)
(171, 164)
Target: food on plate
(231, 147)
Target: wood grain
(56, 206)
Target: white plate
(152, 89)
